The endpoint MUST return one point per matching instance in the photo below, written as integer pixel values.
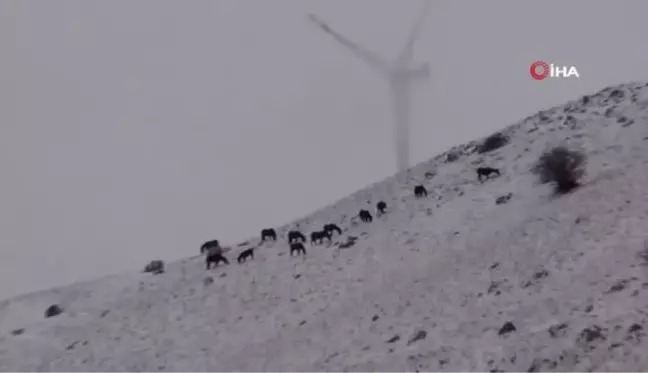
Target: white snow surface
(570, 272)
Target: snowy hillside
(429, 286)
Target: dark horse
(249, 253)
(365, 216)
(332, 228)
(320, 236)
(485, 172)
(420, 191)
(209, 244)
(268, 233)
(297, 247)
(381, 207)
(296, 236)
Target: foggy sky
(137, 130)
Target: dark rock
(18, 331)
(417, 336)
(349, 243)
(53, 310)
(155, 267)
(508, 327)
(643, 254)
(451, 157)
(393, 339)
(557, 330)
(542, 365)
(208, 281)
(541, 274)
(375, 318)
(503, 199)
(635, 333)
(618, 286)
(591, 334)
(494, 287)
(634, 328)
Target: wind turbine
(399, 74)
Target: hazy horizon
(134, 131)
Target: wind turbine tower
(400, 76)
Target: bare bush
(492, 142)
(562, 167)
(155, 267)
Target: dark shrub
(503, 199)
(451, 157)
(53, 310)
(494, 141)
(155, 267)
(562, 167)
(617, 93)
(18, 331)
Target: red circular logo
(539, 65)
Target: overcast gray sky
(134, 130)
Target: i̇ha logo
(541, 70)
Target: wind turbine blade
(408, 50)
(364, 54)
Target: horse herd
(296, 239)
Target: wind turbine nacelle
(416, 73)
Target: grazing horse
(485, 172)
(268, 233)
(249, 253)
(320, 236)
(332, 228)
(420, 191)
(365, 216)
(381, 207)
(209, 244)
(297, 247)
(296, 236)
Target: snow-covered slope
(570, 273)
